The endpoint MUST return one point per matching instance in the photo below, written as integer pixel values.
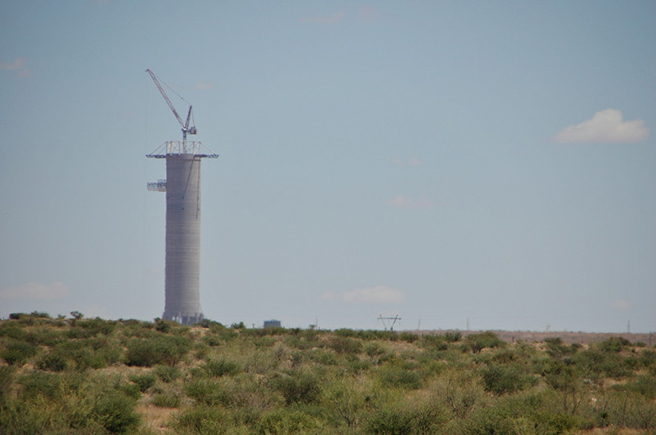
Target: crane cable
(172, 90)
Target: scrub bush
(405, 420)
(282, 422)
(613, 344)
(13, 330)
(408, 337)
(159, 350)
(206, 392)
(18, 352)
(298, 387)
(164, 400)
(478, 342)
(167, 373)
(97, 326)
(399, 377)
(345, 344)
(221, 367)
(453, 336)
(504, 379)
(116, 413)
(201, 420)
(6, 380)
(144, 381)
(434, 342)
(54, 362)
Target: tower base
(184, 319)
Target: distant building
(272, 323)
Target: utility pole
(393, 319)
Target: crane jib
(185, 125)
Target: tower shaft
(182, 276)
(182, 187)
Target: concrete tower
(182, 187)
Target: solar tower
(182, 187)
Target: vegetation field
(95, 376)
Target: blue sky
(490, 163)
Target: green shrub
(283, 422)
(648, 358)
(299, 387)
(271, 341)
(211, 340)
(345, 344)
(54, 362)
(557, 349)
(130, 390)
(162, 349)
(405, 421)
(238, 326)
(163, 400)
(345, 332)
(46, 336)
(434, 342)
(18, 352)
(97, 326)
(201, 420)
(613, 344)
(505, 356)
(207, 323)
(167, 373)
(206, 392)
(164, 326)
(400, 378)
(488, 339)
(86, 358)
(452, 336)
(144, 381)
(327, 358)
(13, 330)
(374, 349)
(408, 337)
(634, 411)
(6, 380)
(221, 367)
(116, 413)
(643, 384)
(459, 391)
(356, 365)
(503, 379)
(42, 384)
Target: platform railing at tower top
(178, 147)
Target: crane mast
(185, 125)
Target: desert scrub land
(95, 376)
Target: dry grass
(155, 418)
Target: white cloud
(368, 13)
(16, 64)
(333, 19)
(620, 305)
(368, 295)
(412, 161)
(203, 86)
(402, 201)
(19, 64)
(36, 291)
(605, 126)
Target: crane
(185, 125)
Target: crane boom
(185, 125)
